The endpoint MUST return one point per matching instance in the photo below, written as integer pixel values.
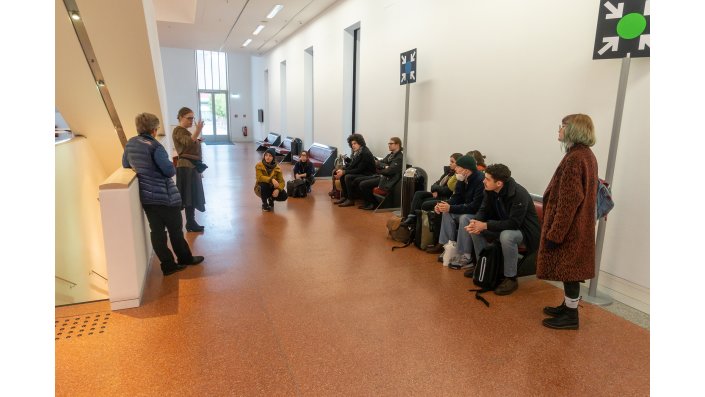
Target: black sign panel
(408, 67)
(623, 28)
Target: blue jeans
(510, 240)
(453, 228)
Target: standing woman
(189, 167)
(270, 181)
(567, 249)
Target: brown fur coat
(569, 219)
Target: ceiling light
(274, 11)
(236, 96)
(247, 42)
(75, 16)
(259, 29)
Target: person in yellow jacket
(270, 181)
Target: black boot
(567, 320)
(410, 220)
(191, 225)
(555, 311)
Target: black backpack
(428, 228)
(489, 270)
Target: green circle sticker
(631, 25)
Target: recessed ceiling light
(274, 11)
(259, 29)
(247, 42)
(75, 16)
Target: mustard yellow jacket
(263, 176)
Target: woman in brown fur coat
(567, 249)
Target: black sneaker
(507, 286)
(555, 311)
(167, 270)
(195, 227)
(409, 221)
(266, 208)
(195, 261)
(567, 320)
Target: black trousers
(348, 185)
(159, 218)
(266, 191)
(365, 185)
(423, 201)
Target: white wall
(239, 79)
(181, 86)
(496, 76)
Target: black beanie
(271, 151)
(467, 162)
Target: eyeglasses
(189, 118)
(391, 143)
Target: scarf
(269, 166)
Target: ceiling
(224, 25)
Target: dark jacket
(391, 170)
(154, 169)
(468, 194)
(362, 164)
(519, 210)
(442, 188)
(304, 168)
(569, 219)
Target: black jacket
(391, 170)
(362, 164)
(468, 194)
(519, 210)
(443, 190)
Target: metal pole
(406, 149)
(609, 174)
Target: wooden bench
(289, 147)
(322, 157)
(272, 139)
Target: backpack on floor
(423, 237)
(398, 232)
(296, 188)
(489, 270)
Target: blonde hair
(579, 129)
(146, 123)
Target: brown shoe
(341, 201)
(506, 287)
(435, 249)
(346, 203)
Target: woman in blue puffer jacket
(158, 194)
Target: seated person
(507, 212)
(270, 181)
(388, 174)
(459, 209)
(361, 164)
(303, 169)
(479, 159)
(441, 190)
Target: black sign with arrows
(623, 28)
(408, 67)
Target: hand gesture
(275, 183)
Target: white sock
(467, 256)
(572, 303)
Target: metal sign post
(622, 32)
(407, 76)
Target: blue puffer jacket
(149, 160)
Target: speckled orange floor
(310, 300)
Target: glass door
(214, 113)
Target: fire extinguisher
(244, 131)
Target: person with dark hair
(507, 213)
(442, 189)
(479, 159)
(459, 210)
(567, 249)
(269, 185)
(159, 196)
(303, 169)
(189, 167)
(361, 164)
(388, 174)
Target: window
(211, 69)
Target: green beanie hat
(467, 162)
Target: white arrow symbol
(647, 8)
(644, 40)
(403, 77)
(413, 76)
(413, 55)
(403, 60)
(617, 12)
(612, 42)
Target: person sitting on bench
(507, 213)
(361, 164)
(441, 190)
(389, 173)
